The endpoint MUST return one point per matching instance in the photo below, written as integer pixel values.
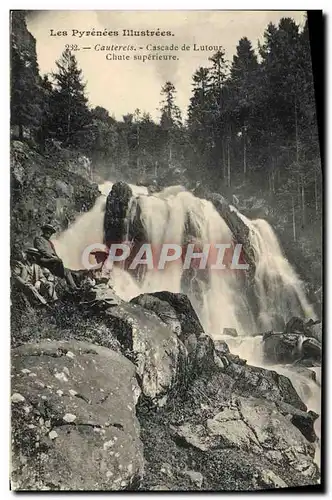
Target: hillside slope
(45, 189)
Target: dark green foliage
(170, 124)
(68, 103)
(251, 123)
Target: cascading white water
(223, 304)
(279, 289)
(87, 229)
(164, 217)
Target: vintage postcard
(166, 250)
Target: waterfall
(279, 289)
(168, 217)
(87, 229)
(176, 216)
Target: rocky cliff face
(44, 190)
(22, 37)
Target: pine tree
(69, 105)
(170, 112)
(199, 102)
(199, 116)
(170, 120)
(151, 145)
(243, 88)
(218, 72)
(278, 116)
(220, 129)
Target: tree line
(251, 121)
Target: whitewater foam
(178, 217)
(220, 300)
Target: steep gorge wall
(43, 190)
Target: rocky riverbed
(161, 407)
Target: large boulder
(230, 438)
(253, 426)
(157, 352)
(316, 331)
(311, 328)
(73, 418)
(184, 311)
(311, 351)
(259, 382)
(177, 312)
(291, 347)
(162, 335)
(161, 308)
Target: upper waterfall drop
(279, 288)
(87, 229)
(220, 298)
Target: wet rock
(253, 207)
(312, 349)
(262, 383)
(230, 331)
(117, 204)
(304, 421)
(282, 348)
(316, 331)
(239, 229)
(65, 442)
(290, 347)
(311, 328)
(221, 347)
(295, 325)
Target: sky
(123, 86)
